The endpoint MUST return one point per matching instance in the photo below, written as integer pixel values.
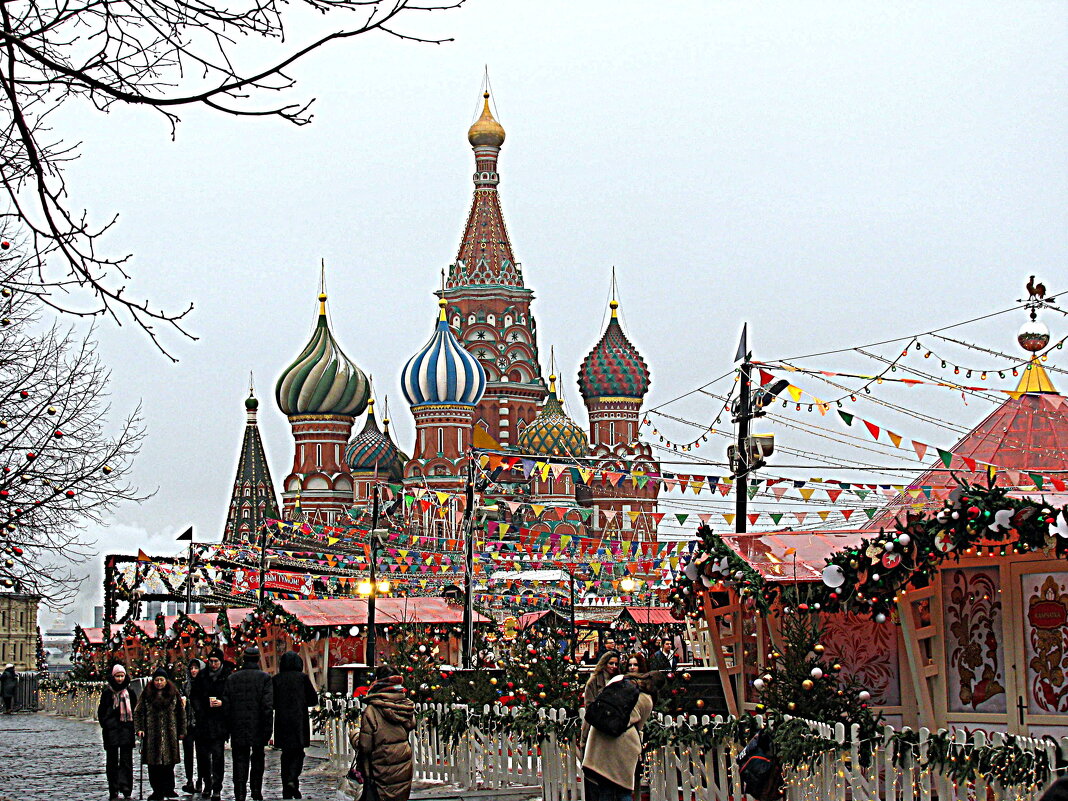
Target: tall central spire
(485, 257)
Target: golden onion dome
(552, 432)
(486, 130)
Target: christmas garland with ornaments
(868, 578)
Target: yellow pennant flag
(806, 492)
(824, 515)
(795, 393)
(894, 438)
(729, 518)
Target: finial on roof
(1034, 337)
(441, 310)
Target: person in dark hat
(248, 703)
(211, 732)
(160, 722)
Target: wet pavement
(48, 758)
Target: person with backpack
(607, 667)
(614, 745)
(388, 718)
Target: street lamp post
(373, 583)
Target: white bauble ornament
(880, 618)
(864, 695)
(816, 673)
(833, 576)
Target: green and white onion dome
(322, 380)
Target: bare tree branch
(62, 467)
(162, 54)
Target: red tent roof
(1025, 434)
(786, 556)
(656, 615)
(353, 612)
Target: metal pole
(469, 569)
(741, 484)
(189, 578)
(263, 561)
(571, 584)
(370, 653)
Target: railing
(897, 769)
(26, 693)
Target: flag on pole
(743, 345)
(186, 535)
(142, 556)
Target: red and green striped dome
(614, 368)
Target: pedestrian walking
(293, 694)
(9, 683)
(211, 733)
(193, 751)
(248, 702)
(208, 689)
(116, 716)
(607, 668)
(609, 763)
(665, 659)
(160, 720)
(388, 717)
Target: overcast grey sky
(834, 173)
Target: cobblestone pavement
(46, 758)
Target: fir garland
(867, 578)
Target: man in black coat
(249, 706)
(206, 695)
(664, 659)
(293, 694)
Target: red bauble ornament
(5, 244)
(31, 456)
(24, 394)
(70, 493)
(58, 434)
(974, 512)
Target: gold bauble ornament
(541, 695)
(493, 681)
(700, 703)
(818, 648)
(807, 684)
(791, 706)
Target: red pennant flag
(872, 429)
(753, 518)
(847, 513)
(969, 462)
(766, 378)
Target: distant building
(57, 641)
(18, 630)
(98, 617)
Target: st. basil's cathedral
(477, 383)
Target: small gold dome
(486, 130)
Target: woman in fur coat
(160, 722)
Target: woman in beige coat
(608, 763)
(607, 667)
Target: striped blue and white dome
(442, 371)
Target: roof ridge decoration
(443, 372)
(322, 380)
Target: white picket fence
(497, 759)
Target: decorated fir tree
(540, 669)
(803, 682)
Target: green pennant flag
(926, 492)
(641, 481)
(586, 513)
(846, 416)
(775, 517)
(862, 494)
(1037, 478)
(682, 519)
(870, 513)
(409, 500)
(751, 491)
(945, 456)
